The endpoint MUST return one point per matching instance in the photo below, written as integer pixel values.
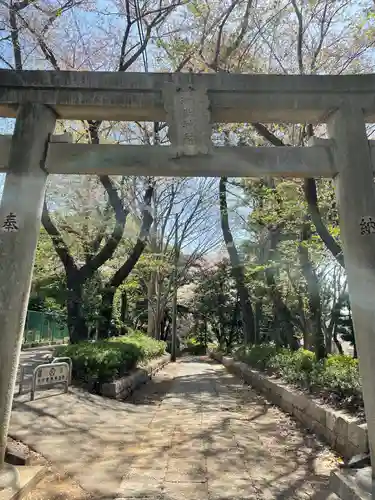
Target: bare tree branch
(15, 37)
(299, 36)
(57, 240)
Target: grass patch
(336, 379)
(107, 360)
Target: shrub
(258, 356)
(107, 360)
(195, 347)
(150, 348)
(341, 375)
(335, 379)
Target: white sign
(50, 374)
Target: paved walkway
(194, 432)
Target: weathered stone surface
(300, 400)
(302, 417)
(186, 468)
(345, 485)
(316, 412)
(268, 385)
(120, 389)
(321, 430)
(229, 487)
(20, 211)
(28, 477)
(357, 435)
(331, 417)
(287, 406)
(341, 426)
(288, 396)
(129, 96)
(188, 117)
(184, 491)
(15, 456)
(227, 361)
(140, 487)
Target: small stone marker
(51, 374)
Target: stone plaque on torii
(189, 103)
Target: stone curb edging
(341, 431)
(345, 485)
(123, 387)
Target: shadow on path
(193, 432)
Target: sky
(85, 21)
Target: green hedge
(106, 360)
(335, 379)
(195, 347)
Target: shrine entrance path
(193, 433)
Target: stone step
(25, 479)
(352, 484)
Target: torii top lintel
(232, 97)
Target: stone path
(194, 432)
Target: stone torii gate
(189, 103)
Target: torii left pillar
(20, 214)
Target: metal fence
(42, 327)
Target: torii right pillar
(356, 200)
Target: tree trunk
(310, 195)
(76, 277)
(329, 241)
(150, 309)
(205, 332)
(123, 272)
(124, 306)
(336, 341)
(305, 323)
(313, 289)
(233, 325)
(110, 289)
(237, 267)
(77, 326)
(106, 309)
(282, 314)
(355, 354)
(160, 308)
(165, 324)
(258, 320)
(328, 340)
